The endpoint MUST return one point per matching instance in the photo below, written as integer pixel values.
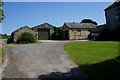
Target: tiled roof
(43, 24)
(81, 25)
(20, 28)
(99, 28)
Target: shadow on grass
(109, 69)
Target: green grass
(5, 41)
(91, 51)
(0, 51)
(98, 59)
(0, 55)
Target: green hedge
(10, 40)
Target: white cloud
(58, 0)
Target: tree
(88, 21)
(57, 33)
(1, 12)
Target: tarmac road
(39, 60)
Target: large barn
(44, 31)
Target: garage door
(43, 34)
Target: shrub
(5, 36)
(26, 38)
(57, 34)
(10, 40)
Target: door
(66, 35)
(43, 34)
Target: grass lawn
(98, 59)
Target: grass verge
(0, 52)
(2, 55)
(98, 59)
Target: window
(46, 26)
(79, 32)
(89, 30)
(117, 12)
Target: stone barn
(76, 31)
(15, 35)
(44, 31)
(112, 14)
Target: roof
(20, 28)
(116, 3)
(99, 28)
(43, 24)
(81, 25)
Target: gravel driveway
(39, 60)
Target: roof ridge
(116, 3)
(20, 28)
(43, 24)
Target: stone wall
(112, 17)
(74, 34)
(44, 26)
(16, 34)
(65, 30)
(78, 34)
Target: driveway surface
(40, 60)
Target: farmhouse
(112, 14)
(44, 31)
(76, 31)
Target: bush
(26, 38)
(57, 34)
(10, 40)
(5, 36)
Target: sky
(19, 14)
(58, 0)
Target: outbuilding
(44, 31)
(15, 35)
(76, 31)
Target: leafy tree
(5, 36)
(88, 21)
(57, 33)
(1, 12)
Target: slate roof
(99, 28)
(117, 3)
(20, 28)
(41, 25)
(81, 25)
